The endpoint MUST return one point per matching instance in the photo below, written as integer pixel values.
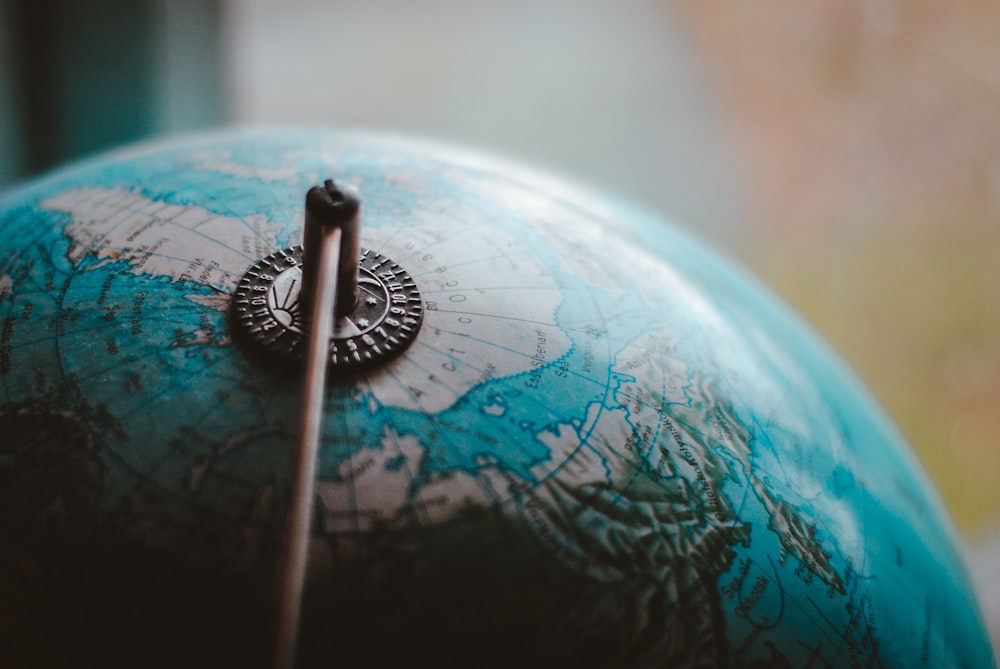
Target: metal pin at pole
(337, 205)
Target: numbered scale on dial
(270, 314)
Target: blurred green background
(848, 151)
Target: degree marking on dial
(268, 315)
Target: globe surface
(605, 447)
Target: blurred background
(847, 151)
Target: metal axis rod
(303, 486)
(329, 283)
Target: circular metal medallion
(269, 317)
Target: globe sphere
(605, 446)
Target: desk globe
(605, 447)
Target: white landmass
(184, 243)
(217, 301)
(373, 486)
(490, 307)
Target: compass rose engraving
(283, 300)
